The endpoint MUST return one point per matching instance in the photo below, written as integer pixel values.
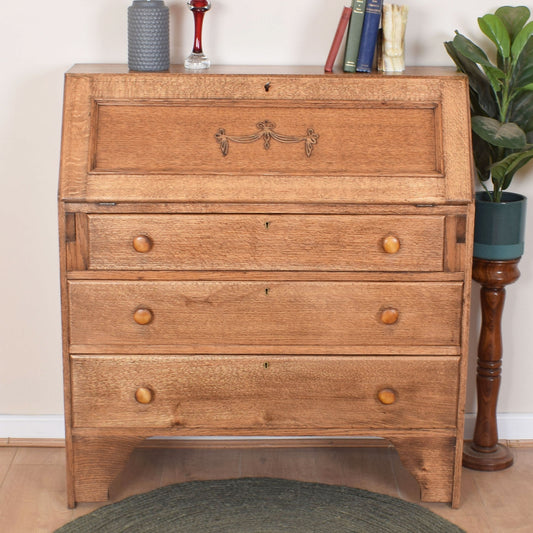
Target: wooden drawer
(264, 313)
(266, 242)
(228, 393)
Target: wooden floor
(32, 481)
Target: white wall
(40, 40)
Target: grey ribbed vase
(148, 36)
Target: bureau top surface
(252, 70)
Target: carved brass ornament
(266, 132)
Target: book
(369, 35)
(337, 40)
(354, 35)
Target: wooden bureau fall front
(265, 252)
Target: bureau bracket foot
(431, 461)
(96, 461)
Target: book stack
(361, 20)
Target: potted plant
(501, 96)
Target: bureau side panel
(78, 110)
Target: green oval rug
(260, 505)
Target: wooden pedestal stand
(484, 452)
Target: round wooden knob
(142, 244)
(391, 244)
(144, 395)
(389, 316)
(387, 396)
(143, 316)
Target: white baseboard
(32, 427)
(518, 426)
(511, 426)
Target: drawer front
(263, 313)
(255, 138)
(258, 393)
(266, 242)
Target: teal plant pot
(499, 227)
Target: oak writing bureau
(265, 251)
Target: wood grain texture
(258, 393)
(154, 138)
(266, 242)
(274, 208)
(431, 460)
(261, 275)
(434, 151)
(77, 108)
(485, 452)
(235, 188)
(277, 313)
(281, 349)
(97, 462)
(97, 69)
(76, 241)
(274, 306)
(66, 226)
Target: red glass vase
(197, 59)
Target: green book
(354, 35)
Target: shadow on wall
(475, 325)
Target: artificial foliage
(501, 95)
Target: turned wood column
(484, 452)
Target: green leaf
(521, 111)
(514, 18)
(504, 170)
(528, 87)
(510, 175)
(505, 135)
(482, 157)
(521, 40)
(493, 27)
(470, 50)
(481, 96)
(494, 75)
(523, 68)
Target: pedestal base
(484, 452)
(500, 459)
